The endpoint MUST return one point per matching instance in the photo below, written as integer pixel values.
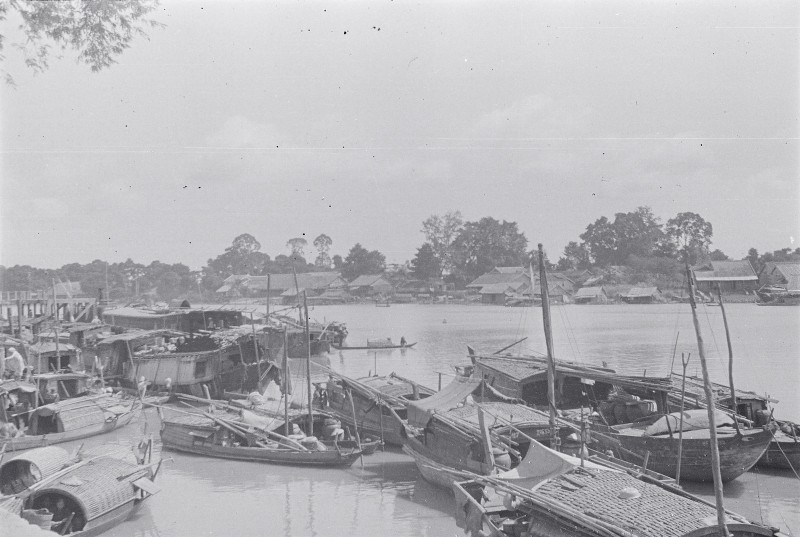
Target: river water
(386, 495)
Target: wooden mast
(308, 372)
(287, 390)
(548, 337)
(734, 406)
(712, 424)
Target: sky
(361, 119)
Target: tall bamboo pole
(711, 408)
(734, 406)
(286, 381)
(684, 362)
(548, 337)
(58, 352)
(308, 372)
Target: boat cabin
(619, 398)
(49, 356)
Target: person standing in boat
(402, 341)
(15, 364)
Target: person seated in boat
(297, 434)
(51, 395)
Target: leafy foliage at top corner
(98, 31)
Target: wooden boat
(739, 451)
(327, 428)
(380, 403)
(73, 419)
(784, 450)
(375, 346)
(551, 493)
(452, 439)
(81, 495)
(222, 437)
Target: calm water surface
(386, 496)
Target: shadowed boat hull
(738, 453)
(783, 453)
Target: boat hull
(738, 453)
(783, 453)
(434, 470)
(35, 441)
(179, 439)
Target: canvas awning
(421, 411)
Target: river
(386, 495)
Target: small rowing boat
(374, 347)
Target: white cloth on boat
(693, 420)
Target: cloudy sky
(361, 119)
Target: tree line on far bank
(454, 250)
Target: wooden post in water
(308, 370)
(548, 337)
(712, 424)
(734, 406)
(684, 362)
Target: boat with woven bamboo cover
(224, 436)
(380, 403)
(73, 419)
(83, 494)
(551, 494)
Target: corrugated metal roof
(636, 292)
(305, 280)
(366, 280)
(589, 292)
(496, 289)
(509, 270)
(725, 271)
(499, 277)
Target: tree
(485, 244)
(752, 256)
(297, 246)
(323, 246)
(441, 232)
(718, 255)
(425, 264)
(338, 262)
(241, 257)
(691, 235)
(600, 239)
(637, 233)
(576, 256)
(361, 261)
(97, 31)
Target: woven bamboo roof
(654, 513)
(95, 486)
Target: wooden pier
(16, 306)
